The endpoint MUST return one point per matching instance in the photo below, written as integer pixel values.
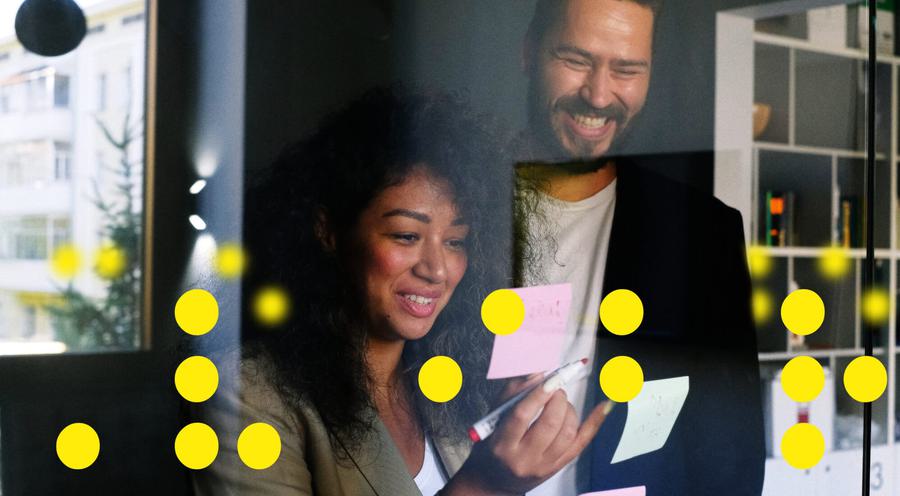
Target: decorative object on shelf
(782, 412)
(50, 27)
(762, 112)
(848, 222)
(849, 433)
(827, 26)
(779, 218)
(796, 341)
(884, 30)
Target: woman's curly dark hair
(376, 142)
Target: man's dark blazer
(682, 252)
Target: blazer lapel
(620, 266)
(378, 460)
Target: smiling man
(589, 64)
(599, 221)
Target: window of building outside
(7, 240)
(99, 28)
(61, 92)
(11, 172)
(127, 81)
(61, 232)
(30, 323)
(5, 100)
(62, 162)
(101, 92)
(38, 93)
(26, 163)
(8, 97)
(31, 238)
(58, 117)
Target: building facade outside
(56, 162)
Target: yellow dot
(621, 312)
(271, 306)
(78, 446)
(230, 261)
(66, 261)
(109, 262)
(803, 312)
(876, 306)
(865, 379)
(803, 379)
(760, 262)
(802, 446)
(621, 379)
(259, 446)
(196, 312)
(503, 312)
(196, 446)
(834, 262)
(440, 379)
(196, 379)
(762, 306)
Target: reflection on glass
(808, 181)
(71, 182)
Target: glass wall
(71, 186)
(802, 188)
(405, 208)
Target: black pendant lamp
(50, 27)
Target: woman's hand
(516, 385)
(520, 455)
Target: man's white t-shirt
(572, 239)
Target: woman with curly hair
(387, 228)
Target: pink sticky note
(537, 345)
(628, 491)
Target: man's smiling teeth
(590, 122)
(421, 300)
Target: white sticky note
(651, 416)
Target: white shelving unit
(737, 178)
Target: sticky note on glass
(651, 416)
(628, 491)
(537, 345)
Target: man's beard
(547, 147)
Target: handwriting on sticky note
(537, 345)
(628, 491)
(651, 416)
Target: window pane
(62, 162)
(61, 92)
(70, 224)
(101, 92)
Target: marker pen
(557, 379)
